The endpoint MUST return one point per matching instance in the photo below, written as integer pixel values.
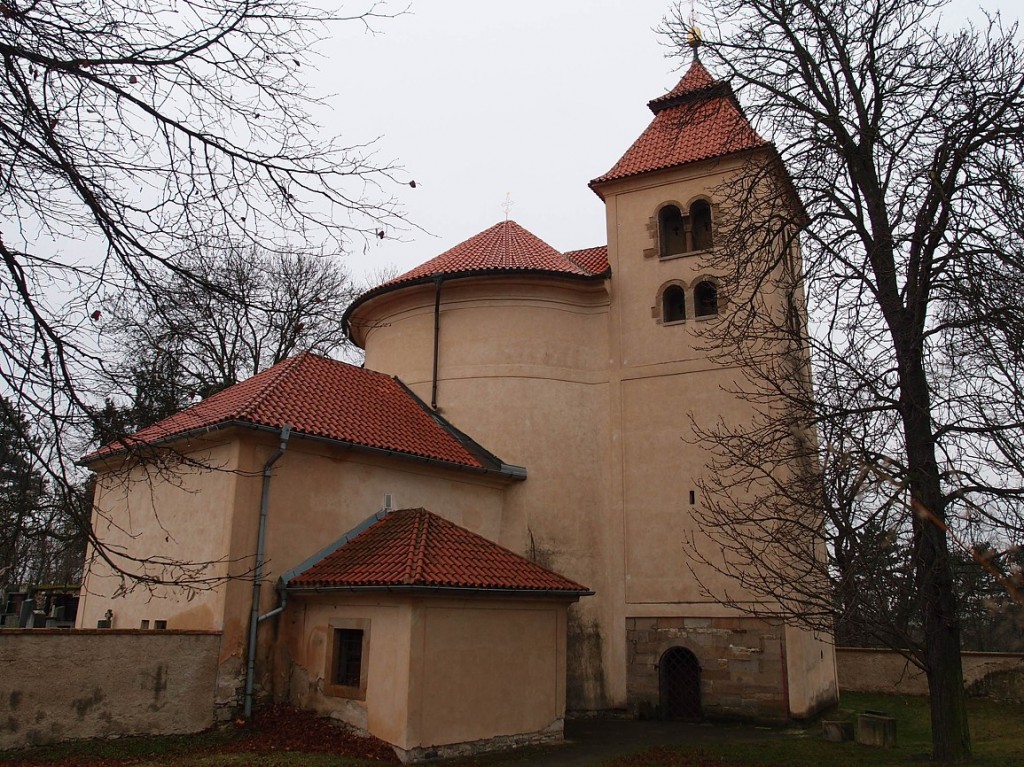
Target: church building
(488, 526)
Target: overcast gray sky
(477, 100)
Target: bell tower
(665, 199)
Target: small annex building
(456, 620)
(530, 413)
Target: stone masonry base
(742, 665)
(553, 734)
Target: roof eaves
(431, 279)
(499, 468)
(130, 445)
(445, 590)
(605, 180)
(718, 88)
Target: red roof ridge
(287, 366)
(414, 567)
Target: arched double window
(679, 233)
(676, 305)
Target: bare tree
(40, 541)
(131, 133)
(904, 143)
(252, 310)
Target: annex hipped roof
(414, 549)
(327, 399)
(699, 119)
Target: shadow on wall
(584, 689)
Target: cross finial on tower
(693, 35)
(507, 205)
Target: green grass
(997, 735)
(997, 732)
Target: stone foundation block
(876, 730)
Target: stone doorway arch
(679, 683)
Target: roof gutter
(437, 335)
(257, 579)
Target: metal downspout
(257, 581)
(437, 334)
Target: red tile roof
(697, 78)
(592, 259)
(505, 248)
(320, 397)
(414, 548)
(699, 119)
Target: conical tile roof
(505, 248)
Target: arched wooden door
(679, 676)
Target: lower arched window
(705, 299)
(673, 304)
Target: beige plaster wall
(523, 370)
(810, 672)
(988, 674)
(486, 668)
(174, 521)
(439, 671)
(319, 492)
(62, 685)
(302, 670)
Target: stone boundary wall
(999, 676)
(64, 684)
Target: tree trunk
(951, 740)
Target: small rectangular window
(347, 658)
(693, 497)
(348, 662)
(144, 625)
(160, 625)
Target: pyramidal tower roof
(699, 119)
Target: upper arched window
(705, 299)
(679, 233)
(700, 222)
(673, 304)
(672, 230)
